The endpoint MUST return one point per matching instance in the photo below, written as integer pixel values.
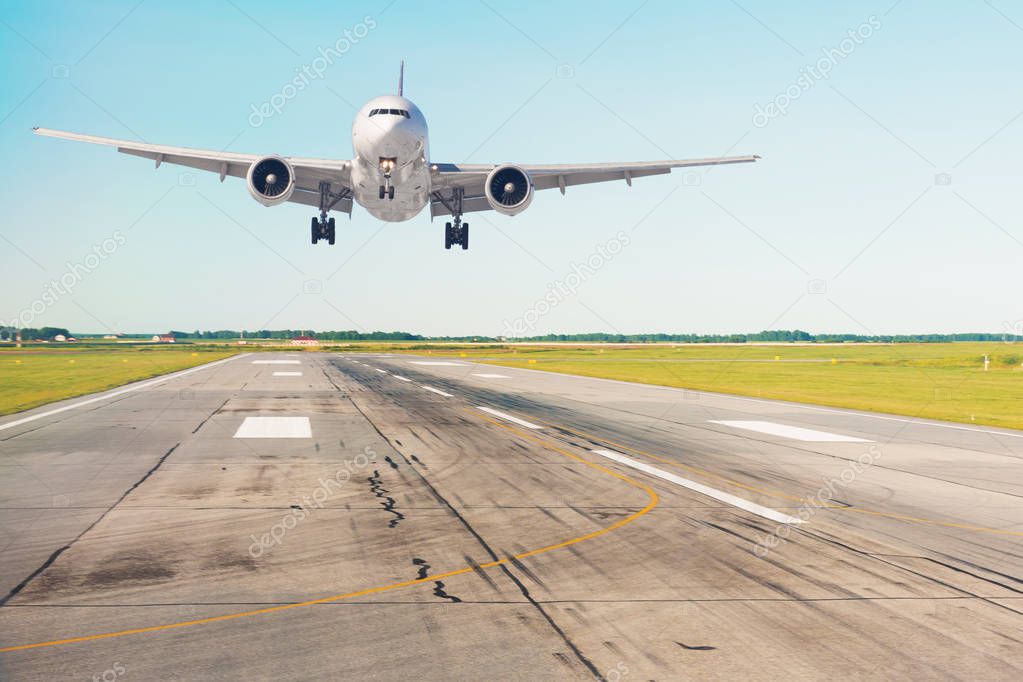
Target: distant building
(60, 337)
(304, 341)
(165, 338)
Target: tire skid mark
(438, 590)
(386, 501)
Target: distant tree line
(34, 333)
(775, 336)
(350, 335)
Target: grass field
(37, 375)
(934, 381)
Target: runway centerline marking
(274, 427)
(785, 431)
(287, 374)
(114, 394)
(431, 389)
(721, 496)
(380, 370)
(491, 376)
(653, 501)
(401, 378)
(277, 362)
(508, 417)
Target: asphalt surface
(579, 529)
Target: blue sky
(887, 200)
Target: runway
(313, 515)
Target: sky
(887, 199)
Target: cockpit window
(392, 112)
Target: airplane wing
(308, 172)
(471, 177)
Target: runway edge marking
(122, 391)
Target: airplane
(391, 176)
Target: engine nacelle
(271, 180)
(509, 189)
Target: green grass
(37, 375)
(934, 381)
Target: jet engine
(271, 180)
(509, 189)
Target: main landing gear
(456, 233)
(323, 227)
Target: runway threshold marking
(287, 374)
(508, 417)
(653, 501)
(719, 495)
(274, 427)
(786, 431)
(431, 389)
(114, 394)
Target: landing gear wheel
(315, 230)
(447, 235)
(382, 190)
(465, 236)
(390, 192)
(330, 231)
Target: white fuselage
(390, 150)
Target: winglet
(401, 78)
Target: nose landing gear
(387, 190)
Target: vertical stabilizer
(401, 79)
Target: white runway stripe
(436, 363)
(287, 374)
(431, 389)
(508, 417)
(399, 378)
(491, 376)
(380, 370)
(793, 432)
(719, 495)
(277, 362)
(274, 427)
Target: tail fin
(401, 78)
